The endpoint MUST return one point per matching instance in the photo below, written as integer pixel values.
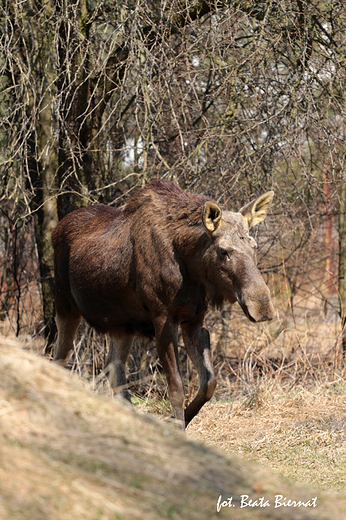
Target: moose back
(156, 265)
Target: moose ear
(211, 217)
(257, 210)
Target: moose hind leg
(67, 325)
(115, 366)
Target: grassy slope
(67, 453)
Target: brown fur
(151, 267)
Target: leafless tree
(227, 98)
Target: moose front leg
(197, 343)
(166, 332)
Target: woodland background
(226, 98)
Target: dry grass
(301, 434)
(67, 453)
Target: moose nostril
(267, 317)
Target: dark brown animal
(152, 267)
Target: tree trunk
(42, 166)
(341, 277)
(328, 240)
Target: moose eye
(223, 253)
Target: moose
(152, 267)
